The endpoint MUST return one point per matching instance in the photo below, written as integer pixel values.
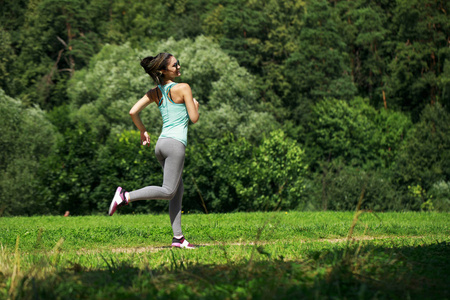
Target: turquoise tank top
(174, 115)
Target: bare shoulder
(182, 87)
(153, 94)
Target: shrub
(355, 132)
(122, 161)
(27, 138)
(440, 196)
(232, 175)
(424, 158)
(339, 187)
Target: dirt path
(160, 248)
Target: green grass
(242, 255)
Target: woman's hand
(195, 103)
(145, 138)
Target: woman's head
(161, 67)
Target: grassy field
(282, 255)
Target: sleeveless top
(174, 115)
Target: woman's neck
(167, 81)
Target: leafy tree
(443, 83)
(424, 158)
(213, 171)
(319, 67)
(150, 21)
(72, 172)
(104, 93)
(64, 38)
(440, 196)
(368, 61)
(339, 186)
(419, 51)
(231, 175)
(261, 35)
(257, 33)
(97, 113)
(255, 66)
(27, 138)
(355, 132)
(276, 175)
(136, 22)
(12, 14)
(7, 57)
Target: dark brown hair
(154, 64)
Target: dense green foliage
(27, 138)
(304, 104)
(241, 255)
(268, 177)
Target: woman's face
(173, 68)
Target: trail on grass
(160, 248)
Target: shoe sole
(178, 245)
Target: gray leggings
(170, 154)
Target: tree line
(304, 104)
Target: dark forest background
(306, 105)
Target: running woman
(177, 106)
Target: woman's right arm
(134, 113)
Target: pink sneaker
(182, 243)
(118, 200)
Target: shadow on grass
(361, 271)
(407, 272)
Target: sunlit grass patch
(254, 255)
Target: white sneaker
(118, 200)
(182, 243)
